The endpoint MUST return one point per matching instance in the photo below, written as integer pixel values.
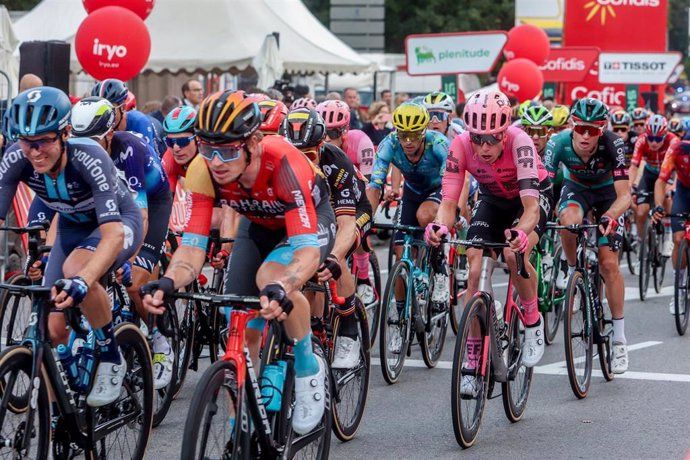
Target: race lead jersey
(87, 191)
(420, 177)
(360, 150)
(516, 173)
(346, 182)
(287, 190)
(677, 160)
(606, 165)
(653, 158)
(139, 167)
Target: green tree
(20, 5)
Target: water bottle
(498, 307)
(547, 266)
(69, 364)
(272, 380)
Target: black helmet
(112, 89)
(227, 116)
(304, 128)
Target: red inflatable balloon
(520, 78)
(141, 7)
(527, 41)
(113, 42)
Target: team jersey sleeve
(341, 180)
(616, 147)
(454, 175)
(201, 195)
(12, 166)
(526, 164)
(669, 163)
(294, 179)
(365, 154)
(39, 212)
(637, 151)
(169, 166)
(551, 157)
(135, 171)
(382, 161)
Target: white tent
(192, 35)
(9, 63)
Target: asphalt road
(640, 414)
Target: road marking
(561, 364)
(633, 293)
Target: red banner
(570, 64)
(616, 25)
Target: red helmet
(273, 113)
(130, 102)
(656, 125)
(335, 113)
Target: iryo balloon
(113, 42)
(520, 78)
(141, 7)
(527, 41)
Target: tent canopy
(192, 35)
(9, 64)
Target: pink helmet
(258, 97)
(487, 112)
(303, 102)
(336, 114)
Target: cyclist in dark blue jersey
(99, 226)
(139, 167)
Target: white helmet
(439, 101)
(92, 117)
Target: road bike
(546, 260)
(682, 278)
(652, 262)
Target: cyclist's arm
(665, 173)
(345, 235)
(168, 163)
(636, 160)
(452, 184)
(396, 178)
(623, 199)
(379, 172)
(551, 158)
(365, 154)
(530, 214)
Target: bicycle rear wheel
(577, 333)
(660, 265)
(15, 311)
(516, 391)
(680, 291)
(164, 396)
(470, 377)
(374, 310)
(645, 261)
(435, 319)
(604, 324)
(352, 385)
(121, 430)
(456, 304)
(632, 249)
(187, 327)
(554, 315)
(394, 334)
(15, 378)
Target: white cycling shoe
(667, 247)
(533, 347)
(107, 383)
(366, 294)
(619, 363)
(310, 400)
(346, 353)
(441, 292)
(162, 369)
(469, 386)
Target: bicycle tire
(433, 337)
(164, 396)
(374, 311)
(392, 374)
(553, 317)
(14, 360)
(219, 331)
(514, 408)
(135, 350)
(660, 271)
(645, 263)
(346, 430)
(632, 254)
(604, 348)
(466, 433)
(456, 304)
(576, 285)
(680, 289)
(187, 327)
(14, 317)
(391, 243)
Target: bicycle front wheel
(516, 391)
(374, 310)
(577, 333)
(394, 334)
(164, 396)
(435, 318)
(470, 375)
(554, 315)
(645, 261)
(659, 265)
(15, 310)
(680, 291)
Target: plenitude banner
(453, 53)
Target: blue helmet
(38, 111)
(686, 124)
(180, 120)
(112, 89)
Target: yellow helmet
(560, 115)
(410, 116)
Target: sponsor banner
(569, 64)
(632, 95)
(439, 54)
(637, 68)
(617, 25)
(449, 85)
(610, 94)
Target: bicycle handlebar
(220, 300)
(574, 228)
(39, 227)
(402, 228)
(480, 244)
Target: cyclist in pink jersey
(514, 194)
(359, 148)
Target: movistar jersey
(87, 191)
(606, 165)
(420, 177)
(138, 122)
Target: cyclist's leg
(409, 205)
(643, 202)
(571, 211)
(360, 258)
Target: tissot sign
(637, 68)
(438, 54)
(570, 64)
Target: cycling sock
(348, 308)
(348, 327)
(160, 343)
(106, 345)
(619, 331)
(361, 262)
(305, 361)
(531, 312)
(474, 350)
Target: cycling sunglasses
(225, 152)
(538, 131)
(38, 144)
(440, 115)
(591, 130)
(490, 139)
(639, 124)
(655, 138)
(334, 133)
(411, 136)
(620, 129)
(181, 142)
